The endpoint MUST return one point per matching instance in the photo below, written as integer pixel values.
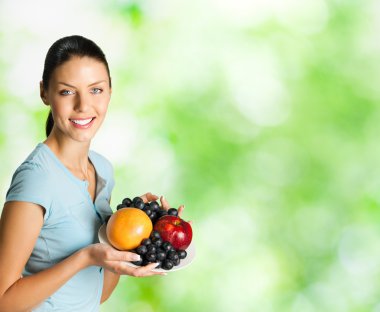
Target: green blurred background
(262, 117)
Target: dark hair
(62, 51)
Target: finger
(150, 266)
(180, 210)
(190, 222)
(131, 256)
(152, 197)
(144, 197)
(149, 197)
(152, 273)
(159, 273)
(164, 203)
(147, 270)
(116, 255)
(124, 268)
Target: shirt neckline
(83, 184)
(66, 170)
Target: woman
(60, 195)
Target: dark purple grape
(150, 256)
(157, 241)
(162, 212)
(146, 241)
(120, 206)
(142, 250)
(160, 254)
(172, 255)
(147, 210)
(166, 246)
(151, 248)
(137, 199)
(138, 203)
(155, 234)
(176, 261)
(127, 202)
(182, 254)
(173, 212)
(167, 264)
(154, 206)
(153, 216)
(138, 262)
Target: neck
(73, 154)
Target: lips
(82, 123)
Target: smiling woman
(78, 94)
(60, 196)
(86, 73)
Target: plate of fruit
(156, 234)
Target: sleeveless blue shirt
(71, 222)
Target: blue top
(71, 222)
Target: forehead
(80, 70)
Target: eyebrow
(91, 84)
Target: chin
(83, 138)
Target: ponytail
(49, 123)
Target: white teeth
(81, 122)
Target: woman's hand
(115, 261)
(148, 197)
(166, 205)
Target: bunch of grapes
(154, 249)
(153, 210)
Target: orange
(127, 227)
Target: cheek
(59, 109)
(103, 106)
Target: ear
(43, 94)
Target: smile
(82, 123)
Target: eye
(96, 90)
(66, 92)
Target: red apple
(175, 231)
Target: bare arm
(20, 225)
(110, 281)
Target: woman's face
(78, 94)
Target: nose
(82, 102)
